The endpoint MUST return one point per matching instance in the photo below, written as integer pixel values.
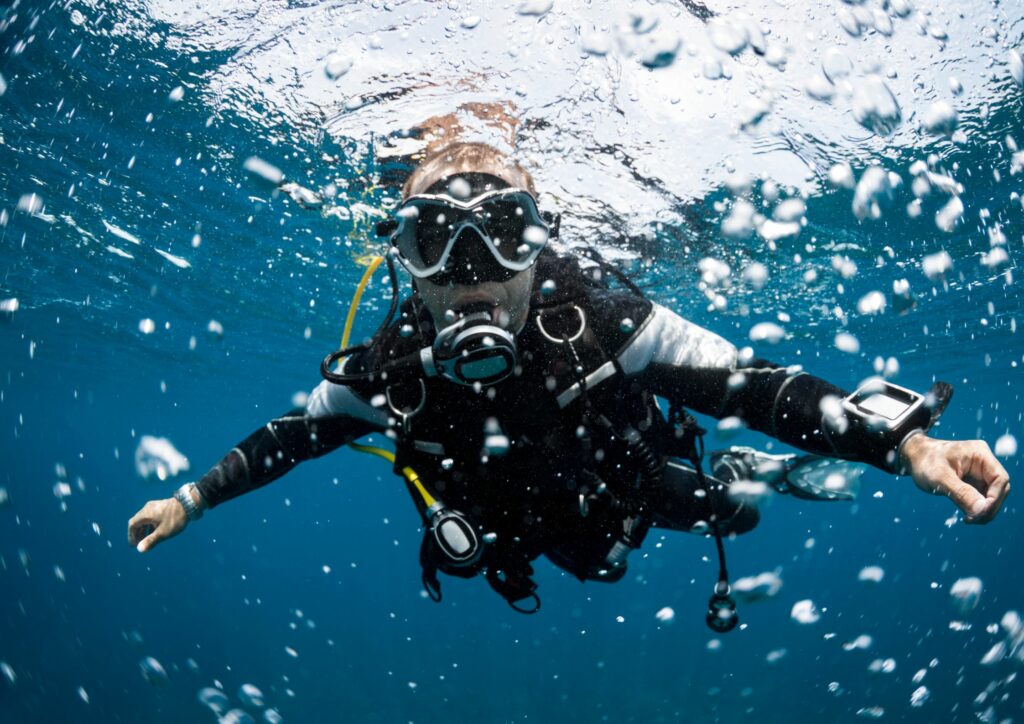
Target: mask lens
(432, 234)
(423, 233)
(516, 229)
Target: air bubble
(534, 7)
(1006, 446)
(153, 672)
(871, 574)
(875, 107)
(250, 695)
(805, 612)
(337, 65)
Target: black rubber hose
(333, 357)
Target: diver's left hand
(965, 471)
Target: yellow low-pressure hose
(409, 473)
(354, 307)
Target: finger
(994, 497)
(147, 511)
(966, 497)
(983, 467)
(148, 542)
(140, 531)
(158, 535)
(987, 474)
(139, 527)
(148, 516)
(997, 488)
(994, 505)
(1002, 496)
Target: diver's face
(508, 302)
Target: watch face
(883, 405)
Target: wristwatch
(183, 495)
(882, 416)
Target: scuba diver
(520, 388)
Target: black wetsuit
(557, 459)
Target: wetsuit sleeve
(694, 367)
(333, 416)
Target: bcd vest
(552, 460)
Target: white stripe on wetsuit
(667, 338)
(330, 399)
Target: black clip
(722, 616)
(554, 221)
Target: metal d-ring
(406, 415)
(563, 340)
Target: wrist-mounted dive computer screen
(883, 404)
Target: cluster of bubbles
(964, 594)
(250, 697)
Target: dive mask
(491, 236)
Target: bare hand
(156, 522)
(965, 471)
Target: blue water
(309, 589)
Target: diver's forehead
(500, 175)
(467, 185)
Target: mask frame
(402, 233)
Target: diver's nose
(469, 257)
(469, 239)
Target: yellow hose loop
(351, 318)
(370, 449)
(414, 479)
(408, 472)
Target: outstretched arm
(333, 417)
(274, 449)
(696, 368)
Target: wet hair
(466, 157)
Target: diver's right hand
(156, 522)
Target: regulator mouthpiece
(473, 350)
